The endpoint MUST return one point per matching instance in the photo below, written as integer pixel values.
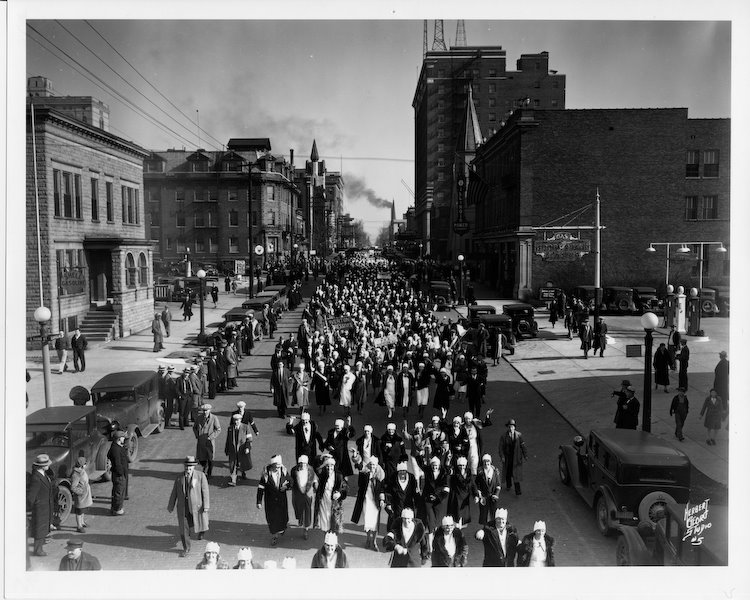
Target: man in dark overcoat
(408, 541)
(400, 491)
(336, 444)
(79, 343)
(500, 540)
(40, 500)
(206, 429)
(76, 559)
(272, 494)
(166, 318)
(235, 444)
(280, 387)
(512, 455)
(307, 438)
(167, 392)
(119, 458)
(392, 449)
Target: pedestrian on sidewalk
(119, 458)
(721, 381)
(191, 497)
(157, 328)
(41, 498)
(621, 396)
(673, 345)
(552, 314)
(512, 454)
(166, 318)
(81, 490)
(79, 343)
(227, 284)
(187, 307)
(586, 334)
(600, 342)
(62, 345)
(569, 321)
(215, 295)
(629, 410)
(684, 357)
(662, 364)
(184, 398)
(713, 408)
(167, 392)
(76, 559)
(679, 408)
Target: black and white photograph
(323, 286)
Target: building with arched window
(95, 268)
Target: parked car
(669, 543)
(618, 299)
(503, 322)
(211, 270)
(129, 401)
(647, 300)
(722, 299)
(476, 311)
(626, 475)
(707, 296)
(440, 291)
(238, 313)
(523, 319)
(272, 298)
(281, 290)
(64, 432)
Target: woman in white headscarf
(389, 390)
(368, 504)
(535, 549)
(332, 490)
(489, 484)
(347, 382)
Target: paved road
(146, 536)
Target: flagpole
(597, 262)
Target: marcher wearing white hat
(500, 541)
(370, 489)
(304, 484)
(407, 540)
(330, 555)
(272, 493)
(244, 559)
(536, 549)
(449, 547)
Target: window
(536, 103)
(492, 88)
(553, 103)
(232, 195)
(155, 166)
(143, 269)
(130, 205)
(475, 88)
(691, 164)
(200, 246)
(234, 245)
(212, 220)
(180, 217)
(492, 117)
(493, 73)
(441, 118)
(269, 192)
(155, 217)
(211, 244)
(199, 166)
(710, 208)
(695, 249)
(441, 176)
(255, 217)
(475, 73)
(441, 133)
(94, 199)
(441, 89)
(691, 208)
(441, 162)
(199, 219)
(492, 102)
(537, 84)
(168, 244)
(179, 195)
(130, 271)
(67, 194)
(555, 83)
(441, 104)
(110, 206)
(180, 246)
(441, 72)
(710, 163)
(234, 219)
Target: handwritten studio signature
(696, 522)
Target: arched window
(130, 275)
(143, 269)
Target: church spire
(471, 134)
(314, 154)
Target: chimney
(291, 157)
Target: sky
(349, 84)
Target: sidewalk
(580, 389)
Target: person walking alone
(713, 408)
(191, 497)
(684, 357)
(166, 319)
(119, 458)
(81, 490)
(157, 328)
(679, 409)
(512, 454)
(79, 343)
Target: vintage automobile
(283, 300)
(618, 299)
(238, 313)
(646, 299)
(129, 401)
(64, 433)
(505, 326)
(522, 315)
(722, 299)
(476, 311)
(709, 307)
(270, 297)
(625, 474)
(669, 542)
(440, 291)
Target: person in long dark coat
(359, 388)
(441, 556)
(40, 500)
(536, 548)
(684, 357)
(119, 458)
(235, 444)
(206, 430)
(407, 539)
(500, 541)
(721, 380)
(157, 328)
(187, 307)
(392, 449)
(76, 559)
(166, 319)
(336, 444)
(463, 493)
(307, 438)
(679, 408)
(320, 387)
(435, 493)
(401, 491)
(280, 388)
(443, 390)
(304, 486)
(628, 410)
(713, 408)
(586, 334)
(662, 364)
(489, 484)
(272, 494)
(512, 453)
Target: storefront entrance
(100, 274)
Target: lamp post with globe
(460, 279)
(649, 322)
(42, 315)
(201, 274)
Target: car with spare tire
(627, 476)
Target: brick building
(198, 204)
(439, 110)
(661, 176)
(96, 259)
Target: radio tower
(424, 40)
(460, 33)
(439, 43)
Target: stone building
(661, 177)
(96, 257)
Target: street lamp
(294, 256)
(201, 274)
(648, 321)
(420, 250)
(188, 270)
(684, 249)
(460, 279)
(42, 315)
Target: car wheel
(64, 505)
(523, 327)
(623, 305)
(623, 554)
(162, 420)
(132, 444)
(602, 516)
(562, 469)
(652, 505)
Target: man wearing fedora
(206, 429)
(679, 408)
(76, 559)
(120, 460)
(190, 496)
(40, 500)
(621, 396)
(512, 455)
(184, 398)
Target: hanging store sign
(460, 225)
(562, 246)
(258, 249)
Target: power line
(147, 81)
(99, 83)
(75, 37)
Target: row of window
(202, 245)
(703, 208)
(68, 199)
(136, 276)
(72, 277)
(708, 159)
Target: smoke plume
(357, 189)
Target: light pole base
(202, 339)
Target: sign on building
(562, 246)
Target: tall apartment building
(439, 109)
(93, 265)
(198, 204)
(661, 177)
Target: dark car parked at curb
(625, 474)
(669, 542)
(647, 300)
(477, 311)
(64, 433)
(522, 316)
(129, 401)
